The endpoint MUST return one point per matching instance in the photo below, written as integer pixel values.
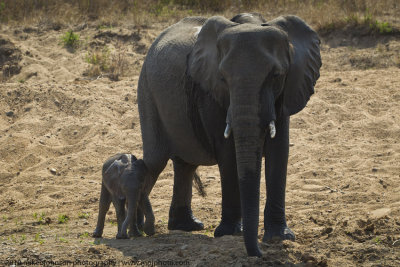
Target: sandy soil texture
(57, 127)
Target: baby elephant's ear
(117, 167)
(133, 158)
(305, 64)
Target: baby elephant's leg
(104, 205)
(119, 205)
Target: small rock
(396, 243)
(327, 230)
(53, 171)
(75, 132)
(346, 186)
(307, 258)
(9, 114)
(93, 250)
(379, 213)
(374, 169)
(369, 228)
(184, 247)
(180, 253)
(323, 263)
(41, 142)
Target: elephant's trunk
(249, 140)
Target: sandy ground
(57, 127)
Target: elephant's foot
(182, 219)
(278, 232)
(97, 233)
(225, 228)
(149, 228)
(134, 232)
(122, 236)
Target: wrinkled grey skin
(123, 183)
(218, 91)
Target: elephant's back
(166, 57)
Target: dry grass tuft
(319, 13)
(104, 62)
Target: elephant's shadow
(194, 249)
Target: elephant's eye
(276, 74)
(222, 79)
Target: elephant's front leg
(180, 213)
(276, 159)
(231, 209)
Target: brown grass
(320, 13)
(104, 62)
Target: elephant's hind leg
(180, 213)
(119, 205)
(104, 205)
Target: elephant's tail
(199, 185)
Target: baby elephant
(123, 183)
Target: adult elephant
(217, 91)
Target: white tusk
(272, 129)
(228, 131)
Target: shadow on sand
(191, 249)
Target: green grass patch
(70, 39)
(62, 218)
(40, 218)
(38, 239)
(83, 215)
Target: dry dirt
(57, 127)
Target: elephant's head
(258, 73)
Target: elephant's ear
(305, 64)
(204, 59)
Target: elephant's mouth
(228, 128)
